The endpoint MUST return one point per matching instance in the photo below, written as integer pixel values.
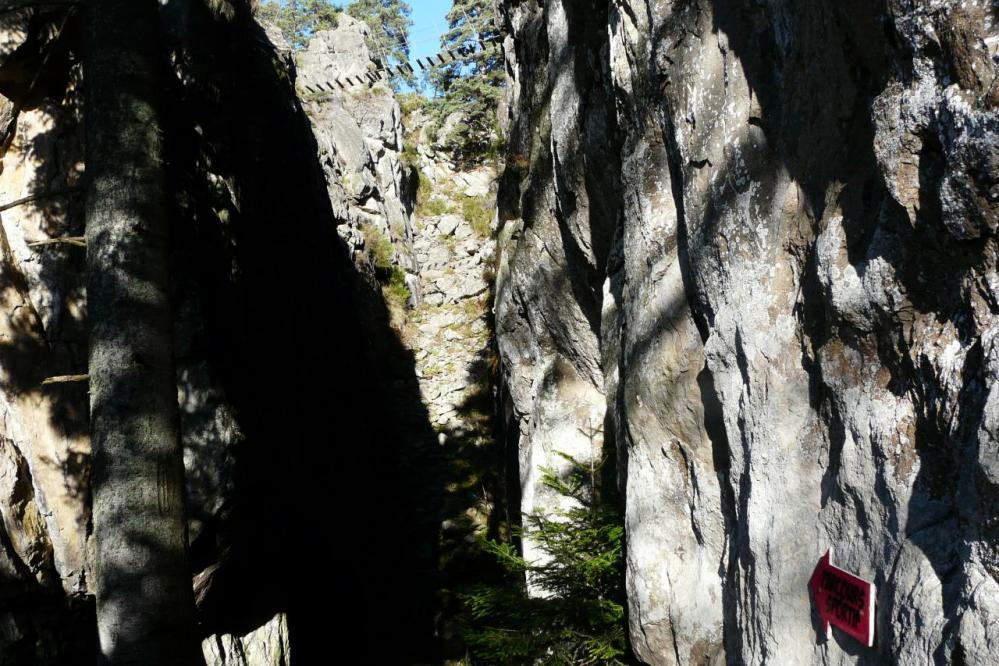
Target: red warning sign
(843, 600)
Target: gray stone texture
(754, 240)
(360, 136)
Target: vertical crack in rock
(799, 305)
(749, 245)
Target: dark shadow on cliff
(311, 431)
(475, 502)
(325, 517)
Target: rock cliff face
(303, 201)
(44, 447)
(264, 181)
(360, 135)
(750, 245)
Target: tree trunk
(145, 605)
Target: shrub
(473, 85)
(410, 103)
(478, 211)
(298, 21)
(410, 157)
(582, 619)
(497, 146)
(396, 290)
(437, 207)
(427, 203)
(379, 248)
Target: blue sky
(428, 26)
(429, 23)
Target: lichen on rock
(783, 303)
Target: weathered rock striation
(360, 136)
(751, 247)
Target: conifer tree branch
(78, 241)
(39, 196)
(65, 379)
(33, 4)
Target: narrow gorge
(725, 282)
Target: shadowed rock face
(275, 417)
(755, 241)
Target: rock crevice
(798, 307)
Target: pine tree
(581, 620)
(145, 602)
(388, 21)
(299, 20)
(471, 83)
(389, 37)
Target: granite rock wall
(755, 240)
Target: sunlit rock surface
(268, 645)
(360, 136)
(758, 240)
